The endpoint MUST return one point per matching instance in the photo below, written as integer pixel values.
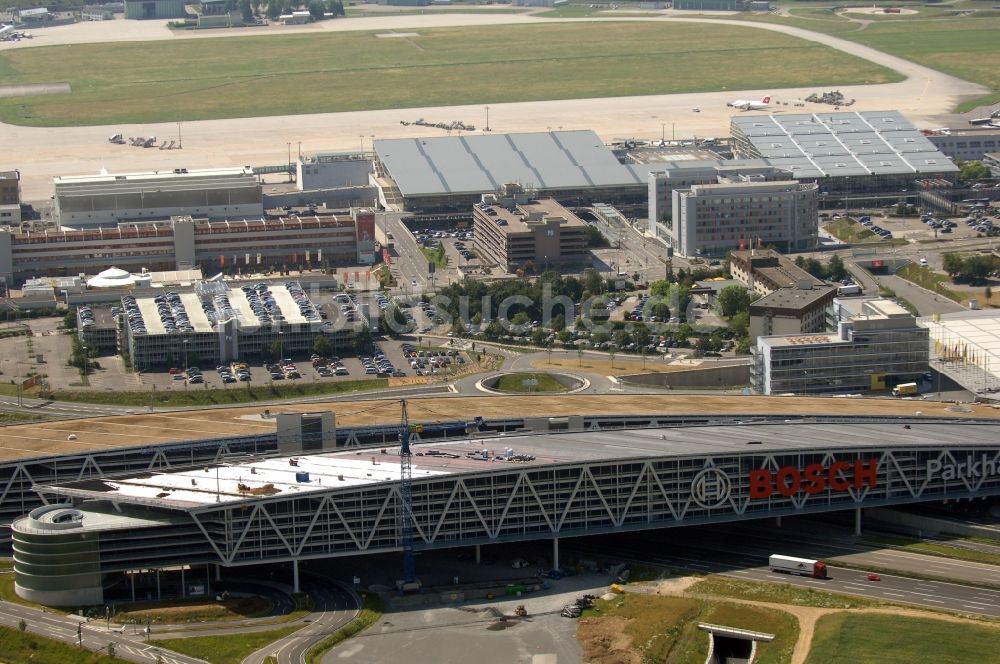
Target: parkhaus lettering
(814, 478)
(970, 469)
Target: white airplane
(747, 105)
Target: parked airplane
(747, 105)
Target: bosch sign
(814, 478)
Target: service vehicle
(905, 390)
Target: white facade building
(713, 219)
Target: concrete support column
(555, 553)
(857, 521)
(132, 576)
(295, 576)
(158, 596)
(479, 556)
(218, 572)
(208, 579)
(777, 521)
(184, 589)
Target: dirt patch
(604, 641)
(607, 368)
(676, 586)
(32, 90)
(236, 608)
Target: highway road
(336, 605)
(739, 552)
(96, 636)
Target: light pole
(179, 143)
(487, 127)
(86, 362)
(289, 162)
(185, 343)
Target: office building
(331, 170)
(684, 174)
(10, 198)
(712, 219)
(844, 152)
(992, 160)
(877, 345)
(105, 200)
(801, 309)
(764, 271)
(182, 243)
(515, 232)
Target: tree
(579, 355)
(835, 270)
(247, 10)
(275, 349)
(538, 336)
(592, 282)
(952, 263)
(558, 322)
(641, 335)
(274, 8)
(322, 346)
(659, 288)
(316, 10)
(733, 300)
(620, 338)
(22, 625)
(970, 171)
(661, 311)
(69, 320)
(564, 336)
(975, 269)
(988, 294)
(739, 324)
(361, 339)
(595, 238)
(519, 319)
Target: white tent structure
(113, 277)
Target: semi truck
(800, 566)
(905, 390)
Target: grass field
(843, 638)
(939, 548)
(514, 382)
(277, 75)
(16, 646)
(228, 649)
(848, 230)
(933, 281)
(665, 629)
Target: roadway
(95, 635)
(738, 551)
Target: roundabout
(525, 382)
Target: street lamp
(487, 127)
(86, 362)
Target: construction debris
(454, 125)
(833, 97)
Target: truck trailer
(800, 566)
(905, 390)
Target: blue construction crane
(406, 499)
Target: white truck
(801, 566)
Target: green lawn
(514, 382)
(21, 418)
(939, 548)
(229, 649)
(192, 79)
(201, 397)
(843, 638)
(16, 646)
(665, 629)
(436, 256)
(931, 280)
(779, 593)
(848, 230)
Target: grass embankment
(515, 383)
(780, 593)
(436, 256)
(848, 230)
(932, 281)
(371, 611)
(196, 79)
(665, 629)
(941, 549)
(195, 611)
(17, 646)
(201, 397)
(845, 638)
(21, 418)
(227, 649)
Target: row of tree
(832, 270)
(973, 269)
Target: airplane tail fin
(766, 100)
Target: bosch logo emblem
(710, 488)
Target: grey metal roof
(481, 163)
(812, 145)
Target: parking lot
(388, 359)
(933, 227)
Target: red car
(874, 577)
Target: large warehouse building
(452, 173)
(603, 475)
(105, 200)
(845, 153)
